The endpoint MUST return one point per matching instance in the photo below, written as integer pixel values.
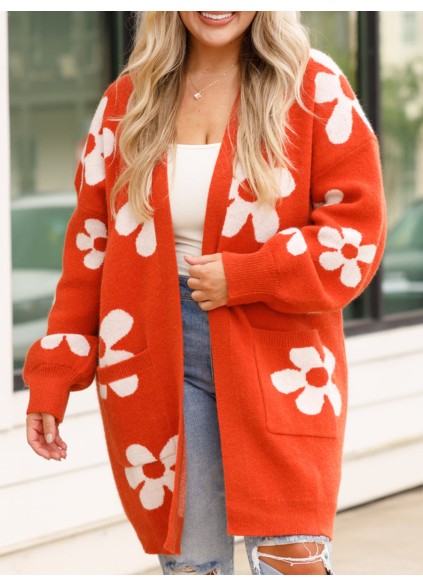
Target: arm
(325, 264)
(65, 358)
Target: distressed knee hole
(193, 570)
(293, 558)
(187, 570)
(213, 572)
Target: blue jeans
(206, 547)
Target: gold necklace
(198, 93)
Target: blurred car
(39, 224)
(402, 284)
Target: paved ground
(383, 537)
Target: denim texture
(206, 547)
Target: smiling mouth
(217, 16)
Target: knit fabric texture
(277, 345)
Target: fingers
(40, 427)
(209, 288)
(203, 259)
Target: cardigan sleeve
(65, 358)
(325, 264)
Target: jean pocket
(302, 384)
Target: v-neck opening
(217, 196)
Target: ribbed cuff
(250, 277)
(49, 386)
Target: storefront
(53, 68)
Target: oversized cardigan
(277, 345)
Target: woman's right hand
(41, 427)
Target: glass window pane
(335, 33)
(402, 151)
(59, 65)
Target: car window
(38, 236)
(407, 233)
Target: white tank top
(189, 176)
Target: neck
(203, 60)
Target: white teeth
(216, 16)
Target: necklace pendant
(197, 96)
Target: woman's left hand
(208, 279)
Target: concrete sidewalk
(383, 537)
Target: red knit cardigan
(277, 345)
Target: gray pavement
(382, 538)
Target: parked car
(402, 284)
(39, 225)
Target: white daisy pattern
(296, 245)
(153, 473)
(115, 326)
(243, 205)
(332, 197)
(98, 146)
(126, 223)
(347, 252)
(333, 87)
(314, 376)
(94, 240)
(77, 343)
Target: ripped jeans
(206, 547)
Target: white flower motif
(334, 87)
(115, 326)
(346, 254)
(126, 223)
(98, 146)
(314, 377)
(96, 230)
(296, 244)
(77, 343)
(333, 196)
(152, 492)
(243, 204)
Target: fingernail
(49, 438)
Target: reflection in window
(402, 142)
(335, 33)
(59, 65)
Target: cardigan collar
(219, 188)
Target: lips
(216, 18)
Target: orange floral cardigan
(277, 346)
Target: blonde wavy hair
(272, 60)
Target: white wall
(384, 438)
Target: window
(409, 27)
(402, 147)
(335, 33)
(59, 65)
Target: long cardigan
(277, 345)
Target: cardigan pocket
(123, 378)
(302, 385)
(127, 392)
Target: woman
(232, 165)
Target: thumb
(49, 427)
(200, 260)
